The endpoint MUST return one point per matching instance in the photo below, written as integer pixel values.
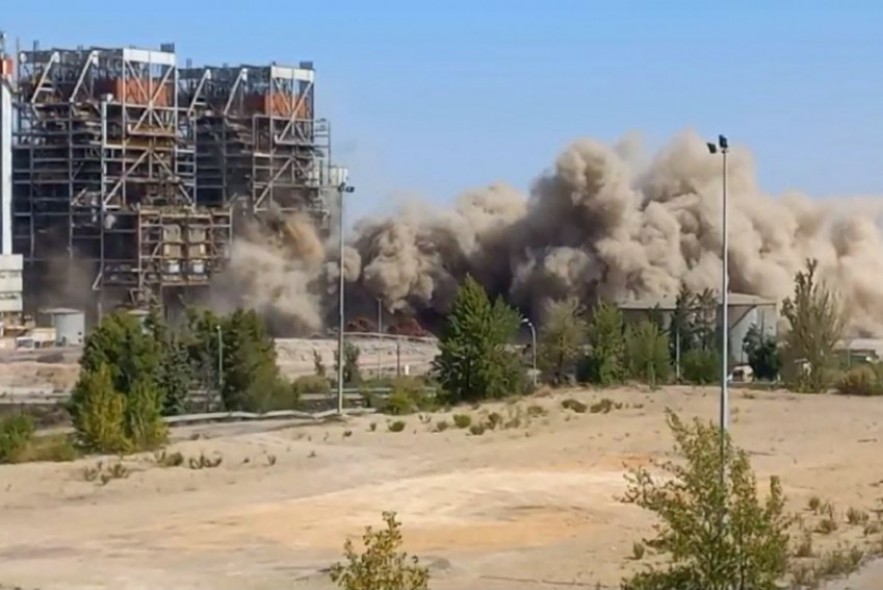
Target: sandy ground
(527, 507)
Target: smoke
(605, 222)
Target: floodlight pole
(339, 179)
(723, 146)
(533, 349)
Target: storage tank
(69, 324)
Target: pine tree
(647, 353)
(560, 339)
(817, 321)
(607, 339)
(473, 362)
(98, 411)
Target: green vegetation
(473, 361)
(647, 352)
(816, 323)
(382, 564)
(716, 532)
(133, 374)
(607, 360)
(560, 340)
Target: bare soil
(528, 506)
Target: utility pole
(722, 146)
(380, 331)
(339, 177)
(533, 347)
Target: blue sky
(428, 99)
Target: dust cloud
(605, 222)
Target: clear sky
(430, 98)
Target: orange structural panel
(278, 104)
(135, 91)
(6, 67)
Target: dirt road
(517, 508)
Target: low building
(745, 311)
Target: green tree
(99, 412)
(382, 565)
(352, 375)
(646, 349)
(763, 354)
(606, 335)
(473, 361)
(128, 349)
(700, 367)
(251, 376)
(716, 532)
(144, 425)
(816, 324)
(560, 340)
(175, 379)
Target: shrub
(311, 384)
(144, 425)
(602, 406)
(16, 433)
(716, 532)
(606, 364)
(816, 321)
(574, 405)
(860, 380)
(462, 420)
(399, 403)
(381, 565)
(54, 448)
(647, 353)
(763, 354)
(477, 429)
(99, 412)
(560, 340)
(700, 367)
(397, 426)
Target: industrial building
(124, 175)
(745, 311)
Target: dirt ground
(526, 507)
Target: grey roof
(667, 302)
(60, 311)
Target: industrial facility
(124, 177)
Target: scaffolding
(104, 172)
(259, 146)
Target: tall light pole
(533, 347)
(220, 361)
(380, 331)
(338, 176)
(723, 147)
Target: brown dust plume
(602, 223)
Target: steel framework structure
(259, 145)
(104, 172)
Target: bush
(462, 420)
(860, 380)
(381, 565)
(606, 364)
(717, 533)
(144, 425)
(408, 395)
(817, 320)
(311, 384)
(99, 412)
(574, 405)
(397, 426)
(700, 367)
(647, 353)
(15, 436)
